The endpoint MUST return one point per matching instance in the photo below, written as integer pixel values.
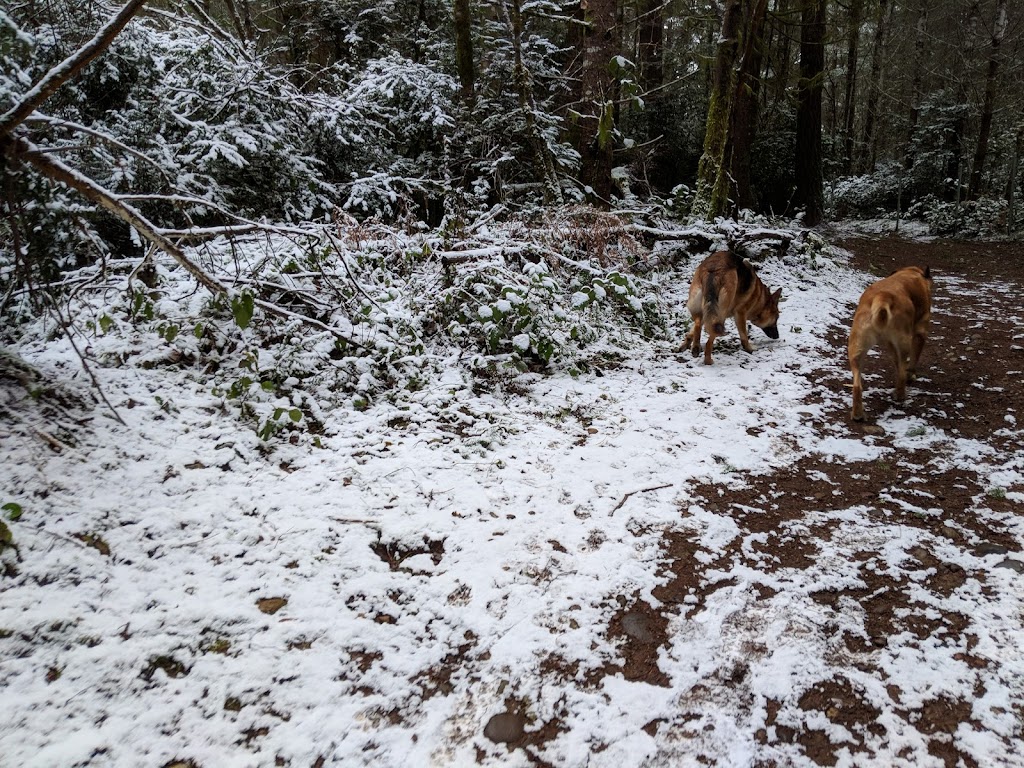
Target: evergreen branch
(67, 69)
(58, 171)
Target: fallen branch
(639, 490)
(449, 258)
(58, 171)
(67, 69)
(90, 190)
(65, 326)
(106, 137)
(699, 238)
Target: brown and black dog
(725, 286)
(893, 313)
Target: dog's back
(721, 279)
(724, 286)
(893, 313)
(900, 300)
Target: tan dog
(725, 286)
(893, 313)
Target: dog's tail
(710, 292)
(881, 311)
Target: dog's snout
(772, 331)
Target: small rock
(638, 626)
(505, 727)
(988, 548)
(271, 605)
(1016, 566)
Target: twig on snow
(65, 326)
(639, 490)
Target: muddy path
(926, 528)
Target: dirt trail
(971, 389)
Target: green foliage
(970, 218)
(242, 307)
(534, 317)
(866, 196)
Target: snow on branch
(67, 69)
(58, 171)
(55, 122)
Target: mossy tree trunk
(745, 110)
(712, 194)
(597, 102)
(856, 13)
(543, 159)
(916, 82)
(868, 139)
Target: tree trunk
(649, 46)
(597, 115)
(954, 136)
(745, 113)
(985, 129)
(236, 20)
(852, 56)
(464, 49)
(916, 83)
(783, 58)
(1011, 183)
(867, 157)
(712, 195)
(809, 193)
(543, 160)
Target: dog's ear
(777, 295)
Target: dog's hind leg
(856, 360)
(693, 337)
(714, 331)
(915, 353)
(901, 354)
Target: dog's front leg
(741, 328)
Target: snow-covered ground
(184, 598)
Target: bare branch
(197, 234)
(72, 126)
(54, 169)
(67, 69)
(66, 327)
(209, 25)
(625, 498)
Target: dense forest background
(289, 110)
(523, 156)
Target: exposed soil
(972, 375)
(971, 380)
